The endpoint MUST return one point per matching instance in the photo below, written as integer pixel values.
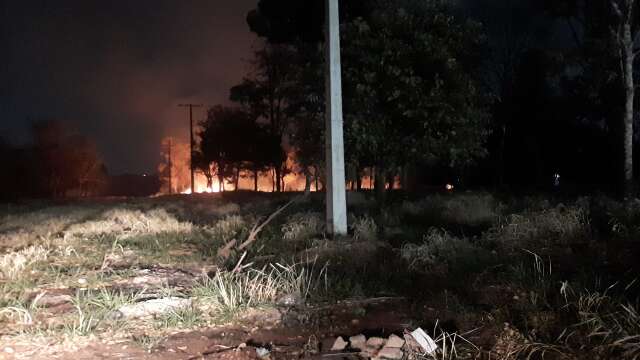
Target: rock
(390, 353)
(358, 342)
(51, 300)
(262, 352)
(9, 350)
(339, 344)
(369, 352)
(394, 341)
(376, 342)
(426, 343)
(412, 344)
(151, 307)
(289, 300)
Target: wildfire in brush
(175, 175)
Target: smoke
(116, 70)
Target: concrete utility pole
(191, 106)
(334, 146)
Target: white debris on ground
(151, 307)
(392, 348)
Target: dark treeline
(489, 93)
(492, 93)
(59, 163)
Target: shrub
(441, 251)
(302, 226)
(229, 227)
(467, 208)
(557, 225)
(230, 292)
(14, 263)
(365, 228)
(126, 223)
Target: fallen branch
(225, 251)
(257, 228)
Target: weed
(229, 292)
(365, 228)
(180, 318)
(440, 251)
(13, 264)
(560, 225)
(148, 342)
(302, 226)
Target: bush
(440, 252)
(365, 228)
(559, 225)
(467, 208)
(126, 223)
(302, 226)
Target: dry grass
(364, 228)
(13, 264)
(560, 226)
(127, 223)
(439, 252)
(228, 292)
(302, 226)
(460, 208)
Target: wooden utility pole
(191, 106)
(334, 146)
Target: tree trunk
(307, 181)
(236, 181)
(209, 182)
(500, 167)
(255, 180)
(278, 180)
(273, 180)
(629, 92)
(379, 183)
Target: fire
(176, 178)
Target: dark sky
(115, 70)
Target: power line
(191, 106)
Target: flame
(175, 177)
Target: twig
(225, 251)
(221, 348)
(239, 264)
(257, 228)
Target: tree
(265, 94)
(605, 32)
(410, 96)
(221, 150)
(66, 161)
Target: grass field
(523, 278)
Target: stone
(426, 343)
(262, 352)
(390, 353)
(369, 352)
(289, 300)
(412, 344)
(339, 344)
(151, 307)
(394, 341)
(376, 342)
(358, 342)
(52, 300)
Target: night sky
(116, 70)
